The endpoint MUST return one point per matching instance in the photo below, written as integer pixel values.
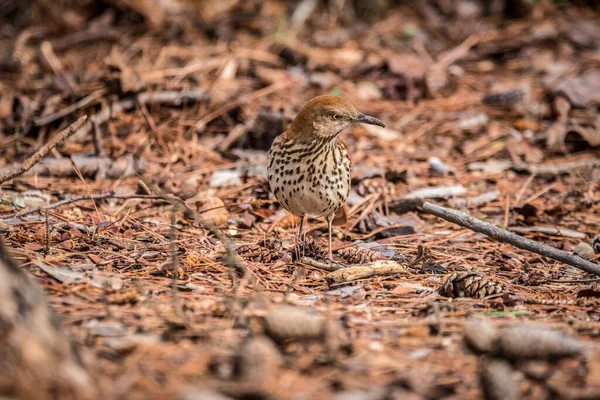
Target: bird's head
(326, 116)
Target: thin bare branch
(477, 225)
(44, 150)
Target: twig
(44, 150)
(458, 52)
(47, 246)
(174, 97)
(311, 262)
(551, 230)
(503, 235)
(577, 281)
(97, 140)
(88, 165)
(557, 169)
(378, 268)
(436, 192)
(56, 66)
(172, 238)
(101, 196)
(41, 121)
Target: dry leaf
(213, 209)
(582, 91)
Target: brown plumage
(309, 167)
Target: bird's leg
(329, 226)
(300, 229)
(298, 247)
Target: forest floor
(494, 115)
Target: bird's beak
(365, 119)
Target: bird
(308, 166)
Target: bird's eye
(336, 116)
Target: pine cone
(469, 284)
(359, 255)
(264, 251)
(372, 185)
(307, 248)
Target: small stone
(584, 250)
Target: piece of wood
(326, 266)
(378, 268)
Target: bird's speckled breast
(309, 178)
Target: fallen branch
(378, 268)
(557, 169)
(44, 150)
(550, 230)
(503, 235)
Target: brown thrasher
(309, 167)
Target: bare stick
(557, 169)
(503, 235)
(327, 266)
(101, 196)
(353, 273)
(44, 150)
(97, 140)
(41, 121)
(174, 97)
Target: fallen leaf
(582, 91)
(34, 246)
(213, 209)
(95, 259)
